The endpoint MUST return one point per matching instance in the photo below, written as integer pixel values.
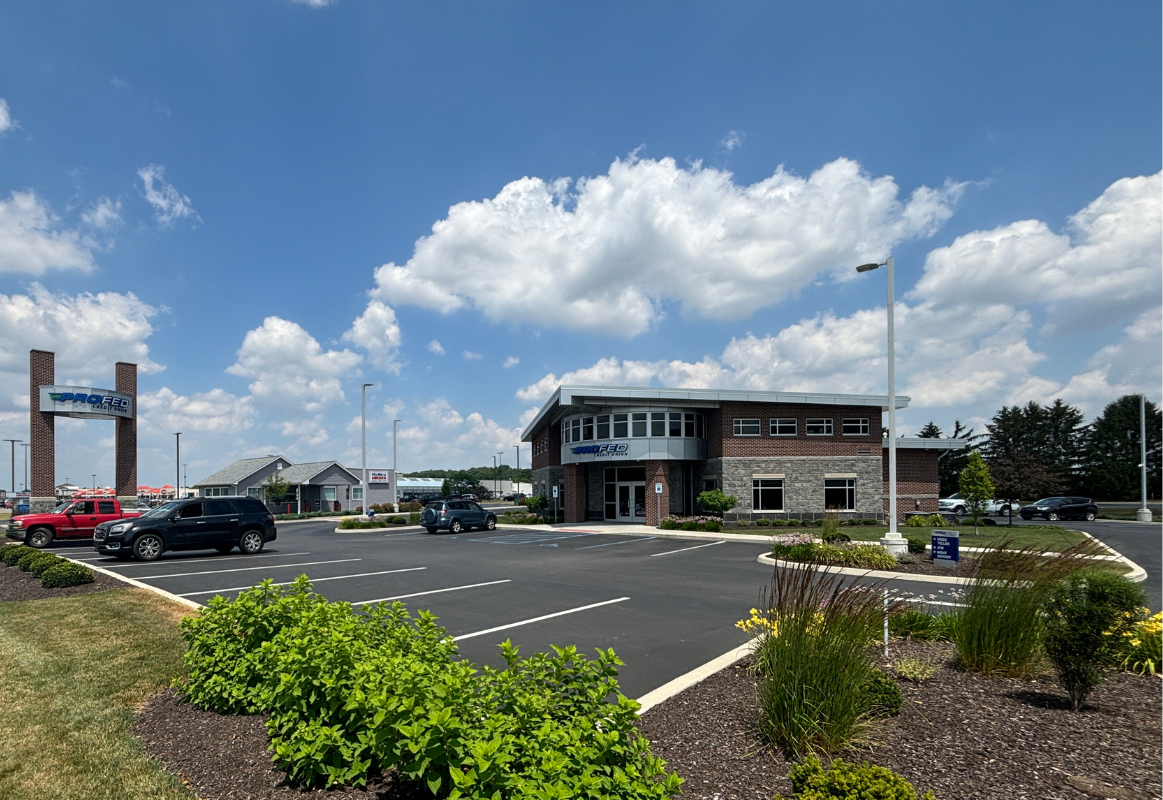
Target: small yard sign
(946, 548)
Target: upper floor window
(675, 423)
(818, 426)
(746, 427)
(604, 426)
(638, 424)
(587, 429)
(783, 427)
(621, 426)
(855, 427)
(658, 423)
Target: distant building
(313, 486)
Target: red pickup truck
(74, 519)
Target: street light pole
(26, 445)
(1144, 513)
(177, 461)
(395, 469)
(517, 490)
(185, 479)
(14, 441)
(363, 444)
(893, 542)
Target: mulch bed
(960, 734)
(18, 585)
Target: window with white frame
(767, 494)
(658, 423)
(818, 426)
(329, 494)
(840, 494)
(675, 423)
(855, 427)
(745, 427)
(357, 493)
(255, 491)
(216, 491)
(783, 426)
(587, 429)
(604, 426)
(638, 424)
(621, 426)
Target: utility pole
(1144, 513)
(177, 461)
(395, 469)
(185, 479)
(14, 441)
(363, 444)
(517, 447)
(26, 445)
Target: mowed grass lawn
(73, 671)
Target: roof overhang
(566, 399)
(917, 443)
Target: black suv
(456, 516)
(221, 523)
(1056, 508)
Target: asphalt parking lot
(665, 605)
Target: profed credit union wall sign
(612, 450)
(85, 402)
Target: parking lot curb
(1137, 573)
(139, 585)
(682, 682)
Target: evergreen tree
(1111, 458)
(1053, 435)
(930, 431)
(950, 464)
(1018, 475)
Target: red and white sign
(378, 476)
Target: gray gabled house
(314, 486)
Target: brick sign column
(42, 432)
(125, 469)
(657, 472)
(575, 493)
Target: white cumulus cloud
(377, 331)
(6, 121)
(436, 347)
(31, 240)
(169, 205)
(511, 361)
(215, 411)
(608, 255)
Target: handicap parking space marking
(219, 559)
(313, 581)
(464, 636)
(245, 569)
(431, 591)
(685, 549)
(611, 544)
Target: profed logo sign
(601, 450)
(84, 402)
(91, 399)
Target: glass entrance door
(631, 502)
(625, 502)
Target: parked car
(954, 504)
(219, 523)
(455, 516)
(1055, 508)
(72, 519)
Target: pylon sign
(85, 402)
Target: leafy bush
(537, 502)
(763, 523)
(836, 538)
(814, 658)
(778, 523)
(1141, 648)
(351, 693)
(905, 558)
(912, 624)
(868, 521)
(689, 525)
(47, 560)
(861, 556)
(65, 574)
(412, 506)
(397, 521)
(1086, 616)
(414, 517)
(917, 546)
(844, 781)
(668, 524)
(715, 501)
(28, 559)
(917, 670)
(931, 521)
(882, 695)
(712, 526)
(795, 522)
(12, 553)
(987, 521)
(352, 524)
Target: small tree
(446, 488)
(716, 502)
(276, 489)
(536, 503)
(975, 486)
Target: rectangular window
(746, 427)
(105, 507)
(587, 429)
(710, 485)
(675, 424)
(217, 491)
(565, 433)
(840, 494)
(783, 427)
(329, 494)
(638, 424)
(357, 493)
(688, 425)
(255, 491)
(657, 423)
(575, 430)
(604, 426)
(621, 426)
(767, 494)
(855, 427)
(818, 426)
(700, 430)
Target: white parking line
(220, 559)
(611, 544)
(313, 580)
(245, 569)
(538, 619)
(683, 550)
(433, 591)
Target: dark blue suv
(455, 516)
(219, 523)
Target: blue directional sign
(946, 548)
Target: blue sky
(268, 203)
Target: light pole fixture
(177, 461)
(893, 542)
(395, 470)
(14, 443)
(26, 445)
(500, 462)
(185, 479)
(517, 490)
(1144, 513)
(363, 443)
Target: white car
(953, 504)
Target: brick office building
(780, 454)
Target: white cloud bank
(32, 241)
(6, 121)
(609, 254)
(378, 332)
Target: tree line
(1037, 451)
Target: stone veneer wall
(548, 476)
(803, 483)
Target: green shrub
(763, 523)
(831, 526)
(352, 524)
(412, 506)
(916, 546)
(796, 522)
(712, 526)
(12, 553)
(26, 561)
(413, 516)
(945, 627)
(668, 525)
(861, 556)
(778, 523)
(715, 501)
(1086, 616)
(398, 521)
(836, 538)
(912, 624)
(844, 781)
(987, 521)
(689, 525)
(65, 574)
(882, 695)
(814, 658)
(47, 560)
(352, 693)
(868, 521)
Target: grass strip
(75, 668)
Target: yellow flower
(1135, 642)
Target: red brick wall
(575, 492)
(657, 472)
(126, 433)
(916, 479)
(42, 431)
(552, 457)
(799, 445)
